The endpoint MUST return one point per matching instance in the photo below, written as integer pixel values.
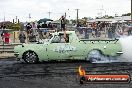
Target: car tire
(30, 57)
(94, 55)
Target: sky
(38, 9)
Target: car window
(60, 39)
(56, 39)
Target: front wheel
(30, 57)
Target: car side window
(56, 39)
(65, 40)
(60, 39)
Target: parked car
(70, 48)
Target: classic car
(69, 48)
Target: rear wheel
(94, 56)
(30, 57)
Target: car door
(58, 49)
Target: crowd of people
(41, 30)
(5, 35)
(109, 30)
(96, 29)
(33, 30)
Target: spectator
(28, 28)
(129, 29)
(80, 24)
(38, 26)
(40, 32)
(103, 26)
(22, 37)
(44, 25)
(94, 26)
(99, 28)
(110, 31)
(6, 37)
(33, 25)
(2, 34)
(34, 28)
(1, 27)
(4, 27)
(63, 23)
(32, 37)
(50, 25)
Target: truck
(70, 48)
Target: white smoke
(126, 43)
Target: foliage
(67, 21)
(7, 24)
(73, 21)
(10, 25)
(106, 16)
(128, 14)
(16, 26)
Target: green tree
(73, 21)
(85, 18)
(16, 26)
(127, 14)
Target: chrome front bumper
(17, 54)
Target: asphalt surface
(15, 74)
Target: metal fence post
(14, 37)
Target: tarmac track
(14, 74)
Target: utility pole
(4, 16)
(13, 21)
(29, 17)
(65, 14)
(16, 19)
(77, 15)
(131, 13)
(49, 14)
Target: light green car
(70, 48)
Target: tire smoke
(126, 43)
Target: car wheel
(94, 56)
(30, 57)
